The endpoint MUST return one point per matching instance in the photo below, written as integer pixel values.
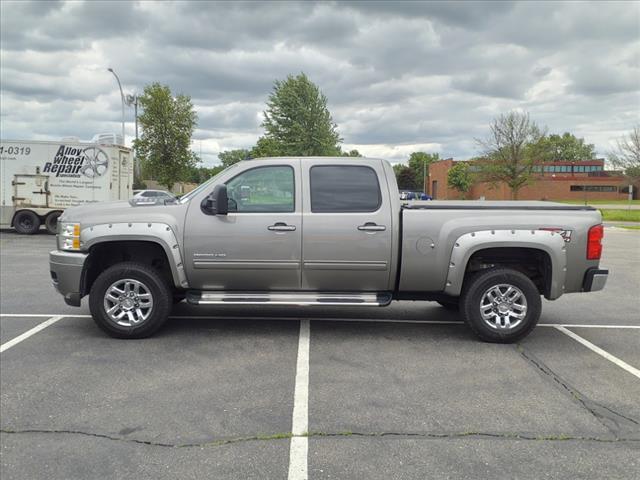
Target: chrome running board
(288, 298)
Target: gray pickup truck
(323, 231)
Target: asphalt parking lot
(399, 392)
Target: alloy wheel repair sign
(75, 161)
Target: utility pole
(424, 176)
(121, 98)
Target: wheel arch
(539, 254)
(151, 243)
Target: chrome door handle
(372, 227)
(281, 227)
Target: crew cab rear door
(347, 226)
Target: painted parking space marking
(320, 319)
(7, 345)
(298, 451)
(622, 364)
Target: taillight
(594, 242)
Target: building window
(593, 188)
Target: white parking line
(601, 352)
(7, 345)
(573, 325)
(298, 452)
(38, 315)
(329, 319)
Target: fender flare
(159, 233)
(552, 243)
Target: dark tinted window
(346, 188)
(593, 188)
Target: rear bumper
(594, 280)
(66, 274)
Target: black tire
(51, 222)
(151, 279)
(474, 291)
(450, 305)
(26, 222)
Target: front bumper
(66, 273)
(594, 280)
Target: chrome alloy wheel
(503, 307)
(128, 302)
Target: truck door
(31, 191)
(347, 227)
(257, 245)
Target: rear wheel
(51, 222)
(130, 300)
(500, 305)
(26, 222)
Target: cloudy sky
(399, 76)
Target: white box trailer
(39, 179)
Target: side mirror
(217, 203)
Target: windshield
(209, 183)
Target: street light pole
(122, 99)
(133, 100)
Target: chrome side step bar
(288, 298)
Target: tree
(507, 152)
(562, 148)
(202, 174)
(350, 153)
(266, 147)
(460, 178)
(297, 121)
(229, 157)
(626, 155)
(405, 177)
(167, 124)
(419, 162)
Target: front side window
(348, 188)
(262, 190)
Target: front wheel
(500, 305)
(130, 300)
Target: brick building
(586, 180)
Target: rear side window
(348, 188)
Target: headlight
(69, 236)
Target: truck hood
(123, 211)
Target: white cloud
(399, 76)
